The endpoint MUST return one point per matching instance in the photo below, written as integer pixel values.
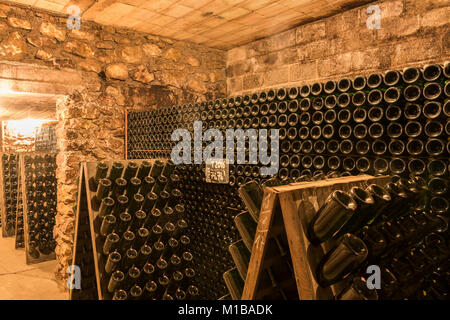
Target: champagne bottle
(103, 189)
(246, 226)
(106, 206)
(331, 216)
(251, 194)
(131, 278)
(127, 240)
(116, 171)
(144, 170)
(112, 262)
(107, 225)
(341, 260)
(130, 170)
(150, 289)
(365, 210)
(241, 257)
(100, 173)
(111, 242)
(147, 185)
(115, 281)
(120, 295)
(357, 290)
(234, 283)
(135, 292)
(123, 222)
(144, 254)
(121, 205)
(142, 235)
(156, 169)
(133, 187)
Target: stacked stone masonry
(120, 70)
(411, 33)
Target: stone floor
(19, 281)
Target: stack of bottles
(382, 226)
(395, 122)
(386, 226)
(251, 193)
(20, 236)
(210, 210)
(10, 188)
(40, 188)
(142, 234)
(45, 139)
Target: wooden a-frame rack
(284, 209)
(87, 252)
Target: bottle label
(217, 171)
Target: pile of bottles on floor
(142, 232)
(40, 186)
(392, 227)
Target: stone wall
(120, 70)
(412, 32)
(13, 141)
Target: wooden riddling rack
(83, 246)
(283, 210)
(88, 243)
(38, 256)
(20, 234)
(7, 193)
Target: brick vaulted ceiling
(221, 24)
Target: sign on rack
(217, 171)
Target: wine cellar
(223, 150)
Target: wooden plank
(86, 176)
(297, 246)
(259, 245)
(77, 224)
(321, 183)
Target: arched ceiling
(221, 24)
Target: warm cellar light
(25, 128)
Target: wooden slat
(259, 245)
(298, 247)
(77, 223)
(86, 177)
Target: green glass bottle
(234, 283)
(252, 194)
